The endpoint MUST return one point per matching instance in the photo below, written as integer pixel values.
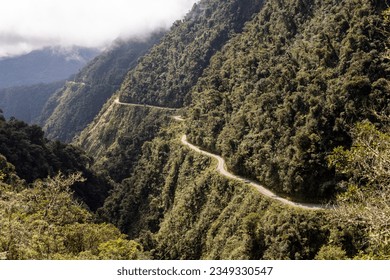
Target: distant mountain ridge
(26, 103)
(43, 66)
(76, 104)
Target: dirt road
(264, 191)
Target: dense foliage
(365, 204)
(72, 108)
(281, 95)
(167, 73)
(116, 136)
(178, 207)
(293, 93)
(35, 157)
(165, 76)
(275, 101)
(45, 222)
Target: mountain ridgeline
(73, 107)
(166, 75)
(292, 94)
(27, 103)
(43, 66)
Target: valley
(251, 129)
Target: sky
(27, 25)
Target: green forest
(75, 105)
(304, 81)
(293, 94)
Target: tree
(386, 23)
(46, 222)
(366, 202)
(331, 252)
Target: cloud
(26, 25)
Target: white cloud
(31, 24)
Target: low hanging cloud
(27, 25)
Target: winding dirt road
(222, 169)
(266, 192)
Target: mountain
(74, 106)
(274, 97)
(166, 75)
(163, 77)
(291, 94)
(26, 103)
(34, 157)
(43, 66)
(306, 77)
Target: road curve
(266, 192)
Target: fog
(27, 25)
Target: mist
(27, 25)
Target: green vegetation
(275, 101)
(45, 222)
(72, 108)
(365, 204)
(165, 76)
(281, 95)
(293, 94)
(162, 77)
(35, 157)
(115, 142)
(178, 207)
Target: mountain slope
(179, 207)
(27, 102)
(43, 66)
(35, 157)
(166, 75)
(162, 77)
(274, 100)
(70, 110)
(283, 94)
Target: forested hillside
(26, 103)
(292, 93)
(44, 221)
(72, 108)
(168, 71)
(43, 66)
(180, 208)
(275, 101)
(166, 75)
(285, 92)
(35, 157)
